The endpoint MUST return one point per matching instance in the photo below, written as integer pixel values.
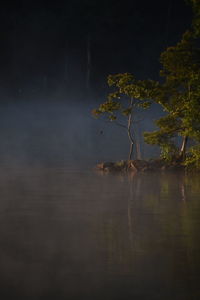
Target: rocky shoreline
(139, 166)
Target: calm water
(84, 235)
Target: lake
(73, 234)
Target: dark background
(44, 44)
(67, 232)
(46, 95)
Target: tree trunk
(131, 151)
(129, 131)
(183, 147)
(138, 150)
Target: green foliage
(193, 158)
(109, 106)
(170, 124)
(181, 61)
(128, 94)
(164, 140)
(169, 152)
(157, 137)
(178, 94)
(126, 112)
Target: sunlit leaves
(127, 85)
(109, 106)
(165, 140)
(120, 80)
(179, 94)
(126, 112)
(181, 60)
(128, 93)
(193, 158)
(169, 124)
(112, 117)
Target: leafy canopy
(128, 94)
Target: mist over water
(57, 132)
(85, 235)
(70, 232)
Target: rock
(138, 165)
(100, 166)
(131, 166)
(105, 166)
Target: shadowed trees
(179, 97)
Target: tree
(179, 96)
(178, 93)
(128, 96)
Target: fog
(62, 132)
(68, 231)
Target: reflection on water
(80, 235)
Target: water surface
(84, 235)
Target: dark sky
(44, 44)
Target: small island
(140, 166)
